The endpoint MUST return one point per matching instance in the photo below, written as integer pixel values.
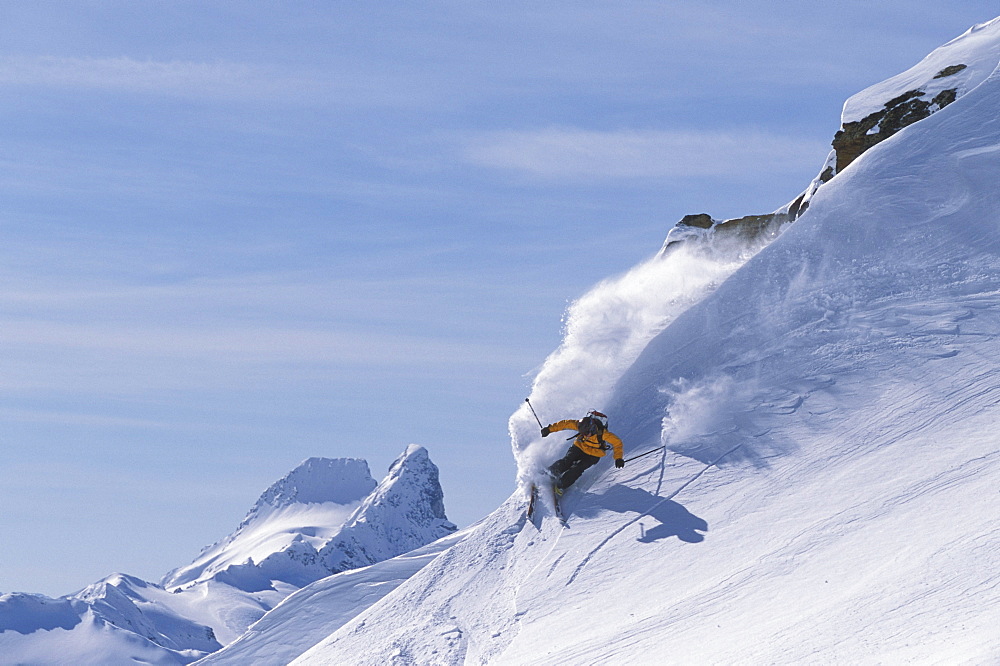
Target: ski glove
(619, 463)
(546, 431)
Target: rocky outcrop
(748, 228)
(752, 226)
(850, 142)
(697, 221)
(910, 107)
(950, 70)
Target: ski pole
(646, 453)
(533, 412)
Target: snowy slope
(326, 516)
(35, 629)
(311, 614)
(830, 489)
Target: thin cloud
(578, 154)
(203, 335)
(242, 344)
(219, 80)
(94, 363)
(178, 77)
(66, 417)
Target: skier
(592, 441)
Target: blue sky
(236, 235)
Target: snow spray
(607, 328)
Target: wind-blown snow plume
(607, 328)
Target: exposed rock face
(949, 70)
(745, 228)
(698, 221)
(753, 226)
(899, 112)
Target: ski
(533, 503)
(558, 507)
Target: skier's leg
(579, 464)
(559, 467)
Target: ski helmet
(593, 423)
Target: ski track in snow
(626, 525)
(540, 562)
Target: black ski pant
(568, 469)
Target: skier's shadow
(674, 519)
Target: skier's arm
(568, 424)
(615, 442)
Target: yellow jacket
(590, 444)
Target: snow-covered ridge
(880, 111)
(404, 512)
(970, 58)
(308, 616)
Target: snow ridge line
(607, 539)
(555, 542)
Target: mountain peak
(404, 512)
(318, 480)
(326, 515)
(309, 504)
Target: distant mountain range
(323, 517)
